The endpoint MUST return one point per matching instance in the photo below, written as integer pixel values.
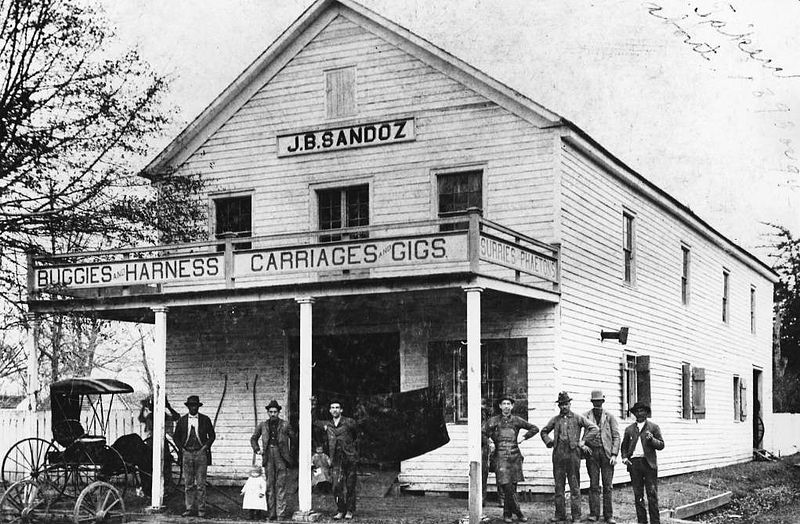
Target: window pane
(233, 215)
(460, 191)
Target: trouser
(345, 475)
(567, 467)
(598, 466)
(644, 479)
(275, 468)
(510, 502)
(484, 481)
(195, 466)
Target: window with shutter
(743, 401)
(635, 381)
(340, 92)
(686, 390)
(643, 378)
(699, 393)
(737, 395)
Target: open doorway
(758, 421)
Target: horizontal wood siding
(454, 126)
(594, 298)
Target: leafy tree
(786, 350)
(74, 116)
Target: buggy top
(67, 399)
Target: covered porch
(400, 279)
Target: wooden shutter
(699, 393)
(743, 401)
(643, 378)
(340, 92)
(686, 386)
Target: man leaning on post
(600, 465)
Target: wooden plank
(702, 506)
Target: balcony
(413, 255)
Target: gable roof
(318, 15)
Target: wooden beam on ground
(696, 508)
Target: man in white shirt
(639, 445)
(194, 435)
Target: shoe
(348, 515)
(201, 513)
(187, 513)
(592, 518)
(338, 516)
(272, 517)
(507, 519)
(557, 519)
(610, 520)
(522, 518)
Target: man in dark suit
(342, 436)
(639, 445)
(194, 435)
(275, 435)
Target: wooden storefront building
(397, 218)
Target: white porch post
(32, 348)
(159, 381)
(304, 416)
(474, 401)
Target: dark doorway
(346, 367)
(758, 421)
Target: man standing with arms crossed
(275, 434)
(605, 447)
(194, 435)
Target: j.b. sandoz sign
(347, 137)
(352, 255)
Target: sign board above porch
(347, 137)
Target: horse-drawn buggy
(78, 474)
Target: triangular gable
(295, 38)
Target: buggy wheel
(114, 470)
(172, 483)
(24, 502)
(27, 459)
(99, 502)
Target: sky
(702, 98)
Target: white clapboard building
(390, 215)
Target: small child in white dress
(254, 493)
(321, 471)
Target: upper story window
(725, 289)
(343, 207)
(233, 218)
(628, 246)
(686, 255)
(752, 309)
(457, 192)
(340, 92)
(635, 381)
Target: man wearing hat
(194, 435)
(639, 445)
(275, 436)
(605, 447)
(503, 430)
(567, 447)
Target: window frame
(436, 173)
(213, 199)
(635, 381)
(753, 309)
(737, 398)
(342, 185)
(629, 254)
(686, 274)
(726, 288)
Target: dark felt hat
(273, 404)
(563, 398)
(506, 397)
(193, 400)
(640, 405)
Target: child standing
(254, 492)
(321, 470)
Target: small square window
(340, 92)
(233, 218)
(458, 192)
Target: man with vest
(605, 447)
(568, 446)
(275, 435)
(639, 445)
(342, 435)
(194, 435)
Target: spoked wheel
(26, 459)
(758, 431)
(173, 470)
(24, 502)
(86, 463)
(99, 502)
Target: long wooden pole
(474, 401)
(159, 401)
(304, 418)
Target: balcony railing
(460, 244)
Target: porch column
(304, 416)
(32, 393)
(474, 401)
(159, 381)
